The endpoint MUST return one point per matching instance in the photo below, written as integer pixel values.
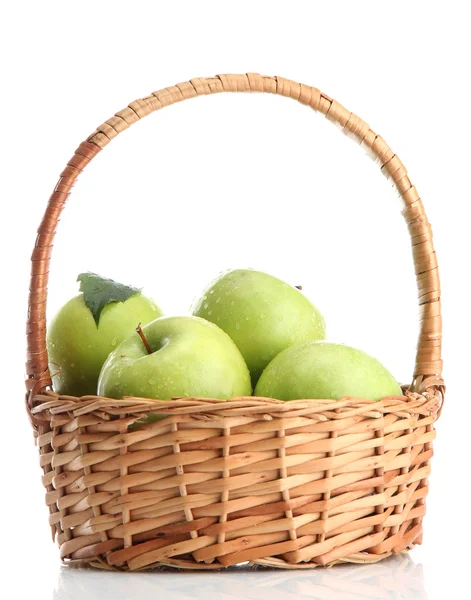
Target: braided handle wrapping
(428, 365)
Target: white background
(240, 181)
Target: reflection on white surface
(392, 579)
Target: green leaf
(99, 291)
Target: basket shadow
(393, 578)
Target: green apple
(88, 327)
(262, 314)
(176, 357)
(325, 370)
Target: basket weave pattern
(288, 484)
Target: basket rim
(428, 402)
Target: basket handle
(428, 366)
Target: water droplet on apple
(205, 305)
(232, 302)
(218, 300)
(280, 318)
(72, 365)
(237, 326)
(209, 313)
(247, 318)
(53, 345)
(211, 291)
(113, 341)
(151, 381)
(263, 316)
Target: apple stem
(143, 338)
(298, 287)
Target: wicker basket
(286, 484)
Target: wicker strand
(123, 472)
(379, 473)
(226, 451)
(327, 495)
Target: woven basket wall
(287, 484)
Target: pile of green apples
(249, 332)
